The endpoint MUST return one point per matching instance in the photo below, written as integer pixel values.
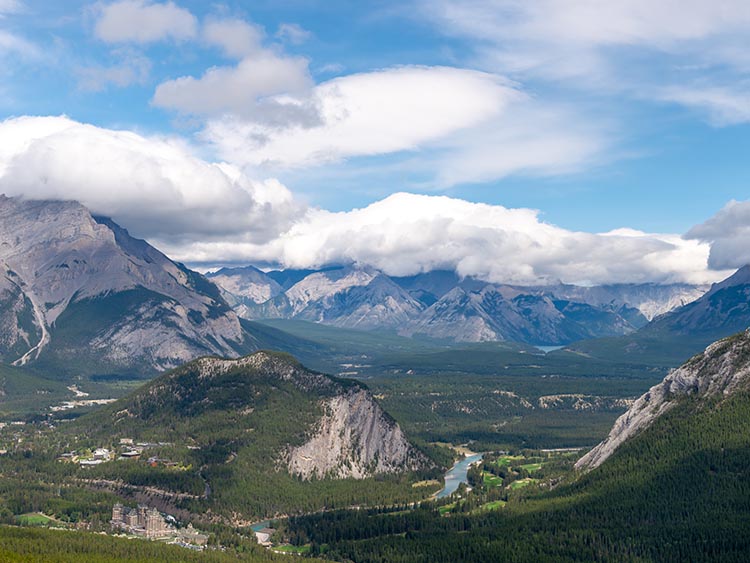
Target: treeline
(31, 545)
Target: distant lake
(457, 475)
(546, 349)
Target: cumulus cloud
(260, 87)
(151, 185)
(143, 21)
(728, 232)
(368, 114)
(406, 233)
(237, 38)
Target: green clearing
(445, 509)
(493, 505)
(531, 467)
(521, 483)
(491, 480)
(34, 519)
(506, 460)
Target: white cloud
(728, 232)
(293, 33)
(450, 126)
(368, 114)
(690, 52)
(16, 45)
(258, 87)
(152, 185)
(723, 105)
(529, 137)
(11, 7)
(143, 21)
(239, 90)
(406, 233)
(202, 212)
(237, 38)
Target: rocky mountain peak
(64, 272)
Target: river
(457, 474)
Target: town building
(149, 523)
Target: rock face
(441, 305)
(723, 368)
(73, 286)
(355, 438)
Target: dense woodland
(680, 491)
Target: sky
(520, 141)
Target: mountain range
(442, 305)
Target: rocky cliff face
(354, 438)
(72, 285)
(721, 369)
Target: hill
(258, 435)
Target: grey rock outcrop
(354, 439)
(721, 369)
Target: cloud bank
(406, 234)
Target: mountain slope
(79, 293)
(678, 490)
(245, 287)
(722, 369)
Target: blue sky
(600, 116)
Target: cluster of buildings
(151, 524)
